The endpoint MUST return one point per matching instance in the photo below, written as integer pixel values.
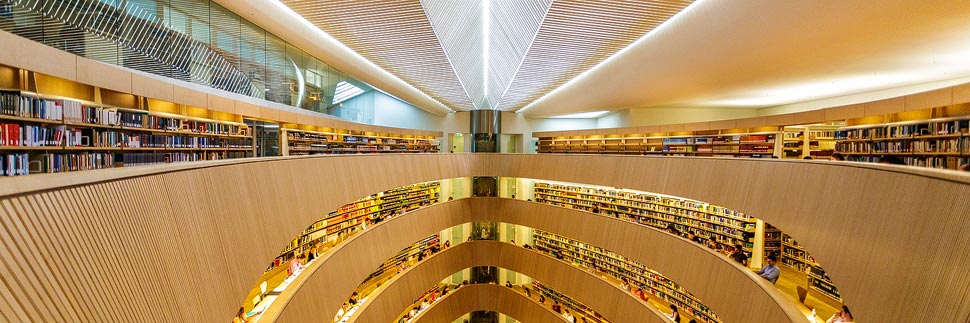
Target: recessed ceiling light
(584, 115)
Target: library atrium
(484, 161)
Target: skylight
(584, 115)
(345, 91)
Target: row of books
(641, 199)
(955, 145)
(794, 264)
(24, 164)
(92, 115)
(14, 164)
(137, 159)
(942, 162)
(902, 131)
(294, 135)
(757, 149)
(349, 216)
(77, 113)
(14, 104)
(13, 134)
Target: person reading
(770, 271)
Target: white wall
(391, 112)
(860, 97)
(514, 123)
(616, 119)
(359, 108)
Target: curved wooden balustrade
(481, 297)
(117, 245)
(398, 293)
(729, 289)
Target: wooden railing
(185, 243)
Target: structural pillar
(486, 125)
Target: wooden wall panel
(615, 304)
(152, 88)
(9, 57)
(268, 113)
(886, 106)
(491, 298)
(724, 124)
(845, 112)
(752, 122)
(672, 128)
(961, 94)
(696, 126)
(190, 97)
(103, 75)
(134, 234)
(929, 99)
(780, 119)
(807, 117)
(40, 58)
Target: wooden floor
(790, 279)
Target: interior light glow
(837, 86)
(345, 91)
(583, 115)
(615, 55)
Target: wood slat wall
(726, 287)
(399, 293)
(117, 245)
(490, 298)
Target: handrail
(21, 185)
(490, 298)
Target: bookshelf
(772, 241)
(313, 140)
(793, 255)
(713, 223)
(796, 257)
(819, 283)
(51, 134)
(710, 222)
(815, 140)
(932, 142)
(657, 285)
(347, 219)
(389, 267)
(758, 142)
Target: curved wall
(729, 289)
(116, 245)
(488, 298)
(399, 293)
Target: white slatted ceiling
(534, 47)
(458, 25)
(578, 34)
(395, 35)
(513, 25)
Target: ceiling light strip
(575, 37)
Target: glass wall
(196, 41)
